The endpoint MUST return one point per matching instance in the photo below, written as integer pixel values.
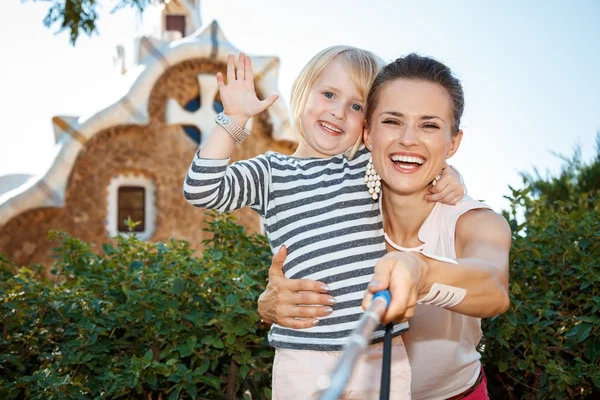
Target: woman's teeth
(407, 161)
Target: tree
(547, 344)
(81, 15)
(577, 182)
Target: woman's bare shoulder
(482, 224)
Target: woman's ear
(454, 143)
(367, 136)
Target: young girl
(315, 202)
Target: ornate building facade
(130, 158)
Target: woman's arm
(285, 300)
(482, 242)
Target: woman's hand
(238, 95)
(401, 273)
(286, 300)
(449, 189)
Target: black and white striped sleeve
(212, 184)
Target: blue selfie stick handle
(385, 295)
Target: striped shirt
(322, 211)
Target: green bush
(141, 320)
(548, 344)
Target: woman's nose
(409, 136)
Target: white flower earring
(373, 180)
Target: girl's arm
(483, 241)
(209, 182)
(212, 184)
(240, 103)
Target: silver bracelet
(235, 131)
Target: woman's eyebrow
(393, 113)
(431, 117)
(398, 114)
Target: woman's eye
(430, 126)
(391, 122)
(329, 95)
(356, 107)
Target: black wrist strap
(384, 391)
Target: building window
(176, 23)
(131, 196)
(131, 205)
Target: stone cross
(204, 117)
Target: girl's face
(333, 116)
(410, 134)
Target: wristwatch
(235, 131)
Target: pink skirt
(302, 374)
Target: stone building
(130, 158)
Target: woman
(454, 257)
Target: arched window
(131, 204)
(131, 197)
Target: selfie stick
(358, 341)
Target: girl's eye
(430, 126)
(329, 95)
(391, 122)
(356, 107)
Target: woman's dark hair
(419, 68)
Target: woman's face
(410, 134)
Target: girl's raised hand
(449, 188)
(238, 95)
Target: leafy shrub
(548, 344)
(141, 320)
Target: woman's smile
(407, 163)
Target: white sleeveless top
(441, 344)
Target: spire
(162, 21)
(193, 8)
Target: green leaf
(108, 249)
(191, 388)
(147, 315)
(584, 332)
(502, 366)
(178, 286)
(148, 356)
(244, 369)
(136, 265)
(172, 361)
(230, 340)
(211, 380)
(268, 392)
(185, 351)
(204, 367)
(174, 395)
(191, 341)
(232, 299)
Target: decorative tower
(165, 21)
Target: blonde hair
(361, 65)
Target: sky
(530, 70)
